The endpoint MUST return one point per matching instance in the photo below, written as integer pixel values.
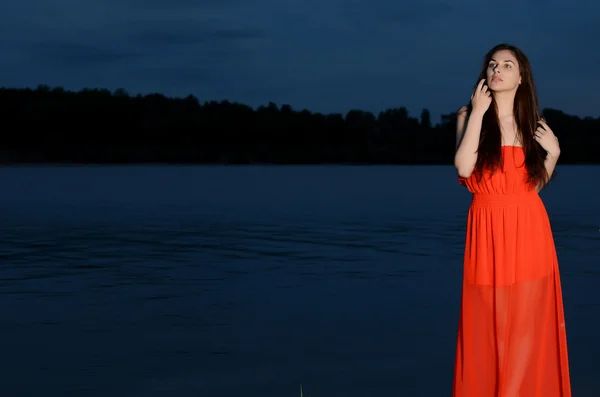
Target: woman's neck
(505, 102)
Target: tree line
(53, 125)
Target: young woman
(511, 338)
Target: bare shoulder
(461, 124)
(461, 117)
(462, 112)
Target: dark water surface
(249, 281)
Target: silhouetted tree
(96, 126)
(425, 119)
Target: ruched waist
(505, 200)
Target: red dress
(511, 337)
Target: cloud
(188, 4)
(75, 55)
(130, 46)
(331, 53)
(408, 12)
(190, 34)
(234, 34)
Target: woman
(511, 338)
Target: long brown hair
(526, 113)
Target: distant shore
(52, 126)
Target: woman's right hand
(481, 98)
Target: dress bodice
(510, 178)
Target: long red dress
(511, 337)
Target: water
(230, 281)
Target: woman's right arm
(467, 139)
(467, 142)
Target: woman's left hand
(546, 138)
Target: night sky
(322, 55)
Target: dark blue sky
(323, 55)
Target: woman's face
(503, 72)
